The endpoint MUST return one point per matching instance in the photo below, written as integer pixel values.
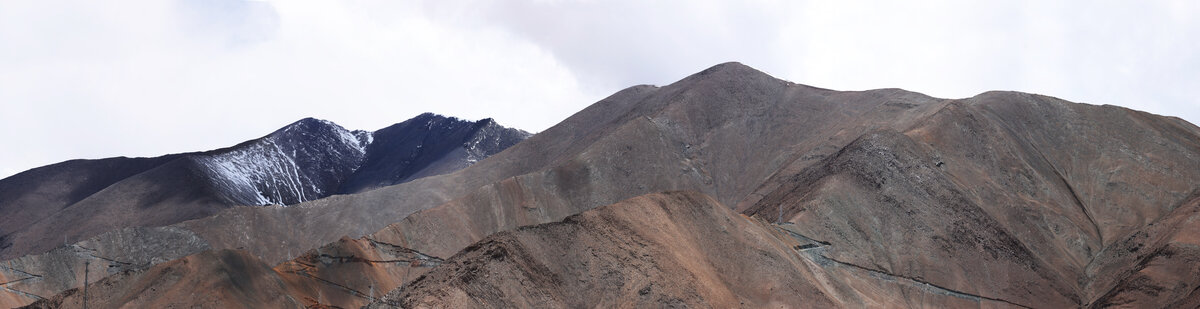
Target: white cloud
(1141, 55)
(142, 78)
(83, 79)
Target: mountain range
(728, 188)
(306, 160)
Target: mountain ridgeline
(306, 160)
(728, 188)
(312, 159)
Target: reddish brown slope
(883, 204)
(351, 273)
(1157, 267)
(213, 279)
(1041, 195)
(675, 249)
(652, 251)
(669, 249)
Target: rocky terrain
(53, 214)
(778, 194)
(674, 249)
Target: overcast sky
(94, 79)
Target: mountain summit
(305, 160)
(427, 145)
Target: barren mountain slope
(960, 186)
(1043, 195)
(671, 147)
(677, 137)
(213, 279)
(674, 249)
(33, 195)
(283, 233)
(898, 199)
(659, 250)
(640, 140)
(664, 142)
(112, 212)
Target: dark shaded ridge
(401, 151)
(82, 178)
(305, 160)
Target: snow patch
(291, 166)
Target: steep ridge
(306, 160)
(414, 149)
(1032, 189)
(880, 191)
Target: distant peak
(730, 70)
(727, 66)
(428, 116)
(310, 121)
(309, 124)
